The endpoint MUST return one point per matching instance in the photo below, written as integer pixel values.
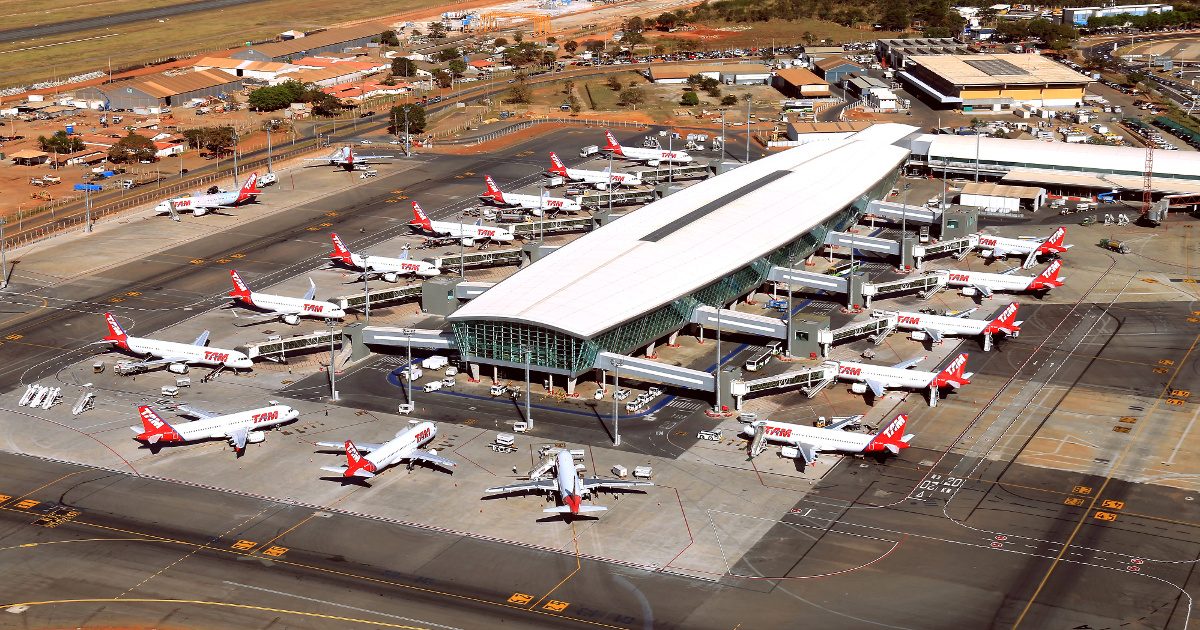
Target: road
(115, 19)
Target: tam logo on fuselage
(959, 277)
(850, 371)
(264, 417)
(421, 436)
(209, 355)
(777, 431)
(314, 308)
(909, 319)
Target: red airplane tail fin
(355, 462)
(1006, 322)
(1048, 279)
(1054, 244)
(493, 191)
(612, 145)
(556, 165)
(116, 334)
(340, 252)
(240, 290)
(891, 438)
(154, 428)
(954, 375)
(250, 188)
(420, 218)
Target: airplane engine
(789, 452)
(968, 291)
(199, 212)
(858, 388)
(468, 242)
(254, 437)
(918, 335)
(653, 163)
(986, 253)
(602, 186)
(390, 277)
(291, 320)
(178, 368)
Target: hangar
(642, 277)
(994, 81)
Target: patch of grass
(600, 97)
(208, 31)
(22, 13)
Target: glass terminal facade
(503, 342)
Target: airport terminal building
(640, 278)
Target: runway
(116, 19)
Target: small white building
(882, 99)
(1001, 198)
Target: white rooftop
(683, 242)
(1039, 154)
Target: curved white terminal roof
(685, 241)
(1079, 158)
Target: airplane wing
(598, 483)
(312, 290)
(934, 335)
(983, 290)
(543, 485)
(437, 460)
(1009, 271)
(876, 388)
(904, 365)
(365, 447)
(196, 412)
(808, 452)
(1030, 260)
(158, 362)
(238, 437)
(963, 314)
(202, 340)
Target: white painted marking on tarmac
(1174, 451)
(346, 606)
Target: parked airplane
(239, 428)
(570, 487)
(602, 180)
(879, 378)
(176, 356)
(935, 327)
(807, 442)
(288, 309)
(985, 284)
(468, 233)
(1030, 249)
(390, 269)
(652, 157)
(200, 204)
(405, 446)
(535, 204)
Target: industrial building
(1058, 166)
(800, 83)
(621, 288)
(994, 81)
(739, 74)
(261, 70)
(745, 74)
(1001, 197)
(332, 40)
(895, 52)
(162, 90)
(1079, 16)
(832, 69)
(802, 130)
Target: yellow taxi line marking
(570, 575)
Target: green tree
(614, 84)
(632, 96)
(457, 67)
(569, 87)
(571, 46)
(520, 91)
(60, 142)
(690, 99)
(437, 30)
(576, 106)
(728, 100)
(442, 78)
(895, 16)
(446, 54)
(548, 59)
(388, 38)
(403, 67)
(132, 148)
(500, 42)
(666, 21)
(518, 37)
(416, 119)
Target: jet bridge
(379, 297)
(959, 247)
(404, 337)
(532, 229)
(738, 322)
(471, 290)
(278, 349)
(927, 284)
(853, 286)
(876, 328)
(482, 258)
(865, 243)
(687, 171)
(619, 197)
(655, 372)
(810, 381)
(897, 211)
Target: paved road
(115, 19)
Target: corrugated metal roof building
(334, 39)
(163, 90)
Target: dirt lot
(765, 34)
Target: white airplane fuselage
(294, 306)
(948, 326)
(192, 354)
(822, 439)
(402, 446)
(890, 377)
(398, 266)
